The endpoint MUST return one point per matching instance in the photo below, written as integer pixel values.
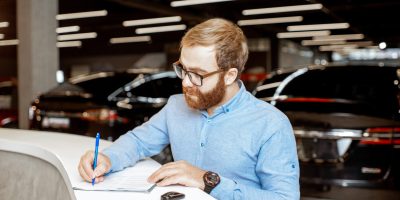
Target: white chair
(31, 172)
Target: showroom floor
(338, 193)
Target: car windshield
(162, 88)
(103, 86)
(367, 91)
(267, 89)
(161, 85)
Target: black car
(8, 103)
(107, 102)
(346, 121)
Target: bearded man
(223, 140)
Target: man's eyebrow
(197, 70)
(193, 69)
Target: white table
(69, 149)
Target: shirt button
(227, 110)
(208, 120)
(202, 144)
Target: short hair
(230, 43)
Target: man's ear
(230, 76)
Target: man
(224, 140)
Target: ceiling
(376, 19)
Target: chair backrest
(31, 172)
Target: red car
(8, 103)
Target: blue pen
(96, 151)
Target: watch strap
(208, 189)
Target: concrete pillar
(38, 55)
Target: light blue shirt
(248, 142)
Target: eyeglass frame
(179, 64)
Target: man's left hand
(180, 172)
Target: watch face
(211, 179)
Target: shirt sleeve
(277, 169)
(143, 141)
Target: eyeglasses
(195, 78)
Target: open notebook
(132, 179)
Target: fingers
(98, 179)
(85, 167)
(101, 169)
(179, 172)
(171, 180)
(168, 170)
(87, 163)
(163, 172)
(83, 174)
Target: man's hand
(85, 167)
(179, 172)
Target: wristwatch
(211, 180)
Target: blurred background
(79, 66)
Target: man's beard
(207, 100)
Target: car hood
(337, 120)
(66, 90)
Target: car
(107, 102)
(346, 120)
(8, 103)
(111, 103)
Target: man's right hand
(85, 167)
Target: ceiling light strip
(282, 9)
(361, 43)
(315, 42)
(78, 15)
(313, 27)
(337, 47)
(345, 51)
(194, 2)
(67, 29)
(373, 47)
(340, 37)
(9, 42)
(270, 21)
(302, 34)
(158, 29)
(69, 44)
(152, 21)
(130, 39)
(4, 24)
(77, 36)
(332, 42)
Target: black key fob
(172, 196)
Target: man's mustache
(189, 91)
